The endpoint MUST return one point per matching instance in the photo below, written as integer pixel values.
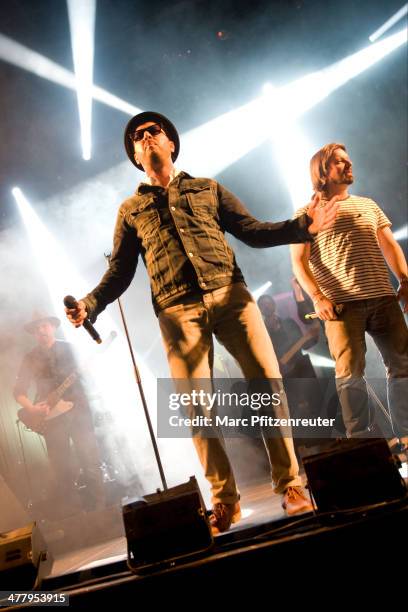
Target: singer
(347, 264)
(177, 224)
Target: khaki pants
(232, 315)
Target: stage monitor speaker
(354, 473)
(166, 526)
(23, 557)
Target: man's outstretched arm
(237, 220)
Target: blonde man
(347, 264)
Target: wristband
(318, 299)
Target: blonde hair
(319, 165)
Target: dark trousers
(72, 446)
(382, 318)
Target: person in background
(299, 376)
(304, 304)
(48, 366)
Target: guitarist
(303, 395)
(44, 368)
(285, 335)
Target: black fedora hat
(39, 318)
(137, 120)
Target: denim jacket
(179, 233)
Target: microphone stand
(378, 402)
(141, 391)
(30, 501)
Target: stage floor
(260, 507)
(258, 503)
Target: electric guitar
(284, 360)
(38, 422)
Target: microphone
(70, 302)
(313, 315)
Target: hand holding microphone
(77, 314)
(338, 309)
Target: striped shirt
(346, 260)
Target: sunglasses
(154, 129)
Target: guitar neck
(56, 395)
(294, 349)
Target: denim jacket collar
(146, 187)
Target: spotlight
(16, 191)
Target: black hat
(137, 120)
(38, 318)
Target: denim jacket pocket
(145, 218)
(202, 201)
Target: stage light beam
(18, 55)
(389, 23)
(261, 290)
(321, 362)
(288, 103)
(304, 93)
(215, 145)
(112, 372)
(81, 15)
(56, 268)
